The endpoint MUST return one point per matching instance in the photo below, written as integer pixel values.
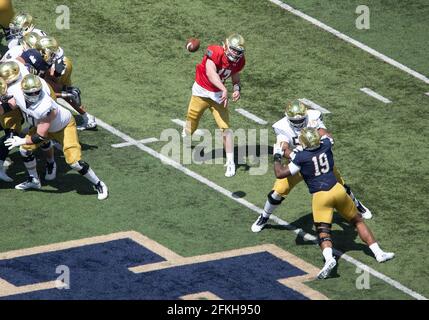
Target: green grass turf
(130, 62)
(397, 29)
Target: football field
(135, 74)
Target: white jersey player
(287, 131)
(50, 122)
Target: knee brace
(273, 201)
(81, 166)
(74, 94)
(322, 227)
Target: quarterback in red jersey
(209, 91)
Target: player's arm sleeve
(293, 168)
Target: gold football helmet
(309, 138)
(32, 87)
(296, 113)
(29, 40)
(21, 24)
(48, 48)
(234, 47)
(9, 71)
(3, 87)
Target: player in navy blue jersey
(315, 163)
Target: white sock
(230, 157)
(375, 248)
(327, 253)
(85, 116)
(91, 176)
(32, 169)
(268, 207)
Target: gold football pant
(12, 120)
(197, 107)
(68, 139)
(284, 186)
(6, 13)
(324, 203)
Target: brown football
(192, 44)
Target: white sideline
(182, 123)
(127, 144)
(251, 116)
(314, 105)
(351, 40)
(254, 208)
(375, 95)
(427, 93)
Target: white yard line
(314, 105)
(182, 123)
(254, 208)
(127, 144)
(251, 116)
(375, 95)
(351, 40)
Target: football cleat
(260, 223)
(230, 169)
(327, 268)
(4, 176)
(364, 211)
(88, 123)
(102, 190)
(51, 171)
(31, 183)
(385, 256)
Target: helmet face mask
(234, 47)
(21, 25)
(309, 138)
(32, 88)
(48, 48)
(296, 113)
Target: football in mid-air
(192, 44)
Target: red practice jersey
(224, 67)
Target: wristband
(237, 87)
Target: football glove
(15, 141)
(277, 149)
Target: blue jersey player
(315, 163)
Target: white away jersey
(33, 113)
(286, 133)
(13, 53)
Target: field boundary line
(352, 41)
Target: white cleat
(4, 176)
(230, 170)
(327, 268)
(51, 171)
(88, 124)
(259, 224)
(102, 190)
(385, 256)
(364, 211)
(31, 183)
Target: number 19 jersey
(316, 166)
